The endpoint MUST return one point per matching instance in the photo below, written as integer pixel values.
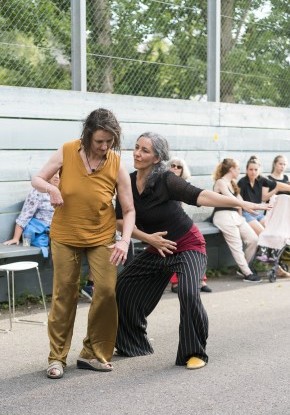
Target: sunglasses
(175, 165)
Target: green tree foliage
(35, 43)
(151, 48)
(159, 49)
(255, 52)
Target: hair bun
(254, 158)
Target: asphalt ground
(248, 370)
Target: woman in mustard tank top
(84, 222)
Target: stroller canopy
(276, 234)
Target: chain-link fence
(150, 48)
(35, 43)
(255, 52)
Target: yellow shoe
(195, 363)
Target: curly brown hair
(101, 119)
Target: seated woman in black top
(256, 188)
(157, 194)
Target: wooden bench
(16, 251)
(207, 228)
(7, 225)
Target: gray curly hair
(161, 150)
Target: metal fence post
(78, 45)
(213, 49)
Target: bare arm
(267, 194)
(125, 197)
(40, 181)
(29, 208)
(213, 199)
(16, 237)
(280, 187)
(283, 187)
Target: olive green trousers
(102, 317)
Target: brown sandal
(94, 364)
(55, 370)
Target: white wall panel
(254, 116)
(73, 105)
(35, 122)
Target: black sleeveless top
(217, 209)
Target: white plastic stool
(20, 266)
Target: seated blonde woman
(179, 167)
(279, 167)
(236, 231)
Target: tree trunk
(227, 84)
(102, 35)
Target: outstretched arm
(213, 199)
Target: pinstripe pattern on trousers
(140, 286)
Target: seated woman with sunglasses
(179, 167)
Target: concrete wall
(35, 122)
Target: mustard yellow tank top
(87, 217)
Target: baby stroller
(276, 235)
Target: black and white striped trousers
(140, 286)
